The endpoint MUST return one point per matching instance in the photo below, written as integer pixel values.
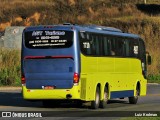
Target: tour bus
(84, 63)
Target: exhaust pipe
(68, 96)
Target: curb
(10, 88)
(153, 84)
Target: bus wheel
(134, 99)
(103, 103)
(95, 103)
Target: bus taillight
(23, 80)
(75, 78)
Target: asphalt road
(11, 100)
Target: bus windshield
(44, 39)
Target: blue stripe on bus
(120, 94)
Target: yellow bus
(82, 63)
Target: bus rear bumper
(41, 94)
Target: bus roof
(85, 28)
(106, 30)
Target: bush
(10, 67)
(154, 78)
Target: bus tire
(134, 99)
(103, 103)
(95, 103)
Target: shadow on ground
(15, 99)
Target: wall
(12, 37)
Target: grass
(154, 78)
(10, 67)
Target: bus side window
(142, 53)
(124, 48)
(97, 41)
(142, 56)
(101, 45)
(127, 48)
(112, 47)
(95, 49)
(85, 43)
(92, 45)
(120, 47)
(106, 46)
(134, 48)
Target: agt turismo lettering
(40, 33)
(146, 115)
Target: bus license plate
(49, 87)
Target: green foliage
(10, 67)
(154, 78)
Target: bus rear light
(34, 57)
(23, 80)
(75, 78)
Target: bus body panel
(122, 80)
(56, 73)
(41, 94)
(51, 67)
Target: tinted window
(106, 46)
(112, 46)
(96, 43)
(90, 43)
(142, 53)
(120, 47)
(48, 39)
(132, 48)
(85, 43)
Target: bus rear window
(44, 39)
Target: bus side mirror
(149, 60)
